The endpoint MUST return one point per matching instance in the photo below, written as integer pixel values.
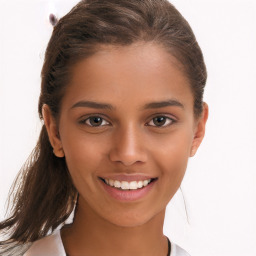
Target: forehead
(140, 72)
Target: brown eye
(96, 121)
(161, 121)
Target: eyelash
(167, 118)
(91, 117)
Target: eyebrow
(167, 103)
(92, 104)
(152, 105)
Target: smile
(127, 188)
(125, 185)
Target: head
(121, 94)
(126, 55)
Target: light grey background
(220, 185)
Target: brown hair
(43, 193)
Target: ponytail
(43, 195)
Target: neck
(92, 235)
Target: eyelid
(83, 120)
(167, 116)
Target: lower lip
(128, 195)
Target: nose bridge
(128, 147)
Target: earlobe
(52, 131)
(200, 130)
(59, 152)
(193, 150)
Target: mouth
(128, 185)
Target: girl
(121, 100)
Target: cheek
(173, 148)
(84, 156)
(171, 157)
(80, 148)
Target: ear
(199, 130)
(52, 131)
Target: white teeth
(125, 185)
(145, 182)
(117, 184)
(140, 184)
(133, 185)
(111, 183)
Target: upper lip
(126, 177)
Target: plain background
(219, 188)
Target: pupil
(95, 121)
(158, 121)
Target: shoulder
(177, 251)
(50, 245)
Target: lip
(128, 195)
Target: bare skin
(142, 124)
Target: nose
(128, 147)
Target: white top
(52, 246)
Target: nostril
(127, 158)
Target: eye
(161, 121)
(95, 121)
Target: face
(127, 129)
